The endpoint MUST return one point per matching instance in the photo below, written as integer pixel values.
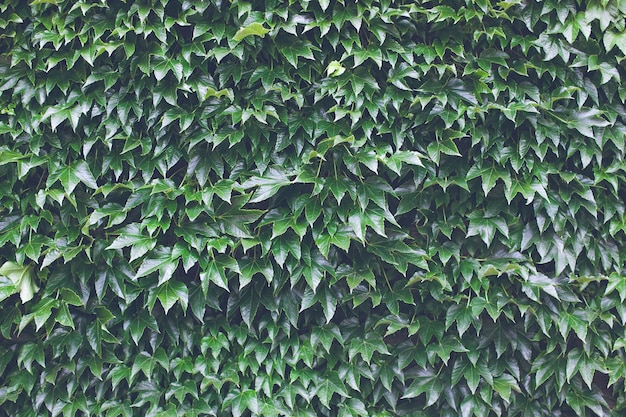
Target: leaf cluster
(372, 208)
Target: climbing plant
(312, 208)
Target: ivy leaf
(366, 347)
(224, 188)
(612, 38)
(64, 317)
(242, 401)
(395, 161)
(7, 156)
(72, 175)
(326, 335)
(249, 267)
(487, 227)
(140, 323)
(146, 363)
(426, 381)
(460, 315)
(235, 221)
(29, 353)
(504, 385)
(355, 277)
(131, 236)
(328, 300)
(335, 69)
(328, 386)
(253, 29)
(181, 390)
(447, 147)
(171, 292)
(17, 278)
(617, 282)
(7, 288)
(214, 272)
(354, 407)
(94, 336)
(444, 347)
(164, 261)
(267, 185)
(164, 65)
(580, 400)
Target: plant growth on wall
(312, 208)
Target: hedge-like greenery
(302, 208)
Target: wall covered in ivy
(312, 208)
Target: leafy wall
(301, 208)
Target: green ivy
(297, 208)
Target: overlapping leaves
(312, 208)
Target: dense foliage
(300, 208)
